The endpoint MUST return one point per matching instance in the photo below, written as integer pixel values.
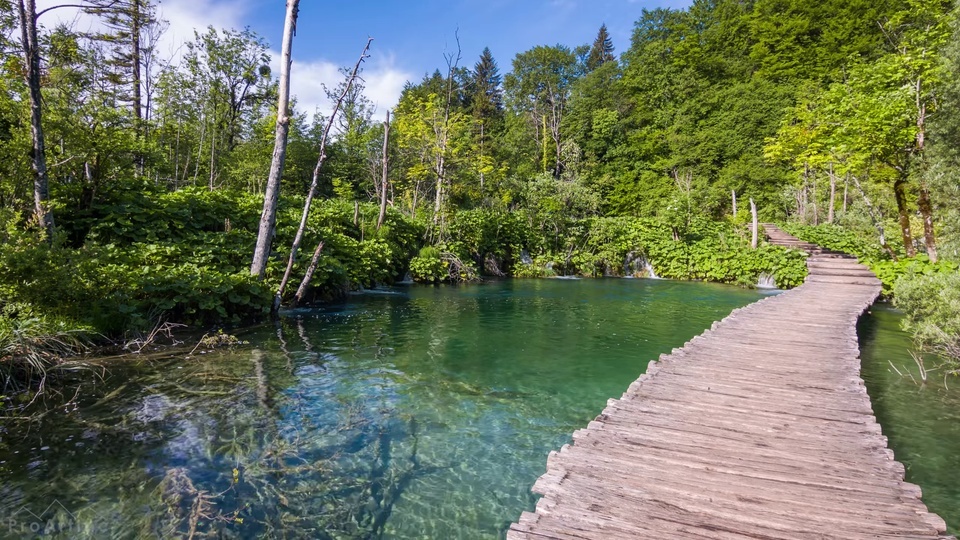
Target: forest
(137, 191)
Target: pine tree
(602, 50)
(127, 21)
(487, 98)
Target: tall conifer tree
(602, 50)
(488, 95)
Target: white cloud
(383, 82)
(185, 16)
(383, 79)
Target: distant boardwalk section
(759, 428)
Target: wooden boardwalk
(759, 428)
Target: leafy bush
(478, 234)
(931, 303)
(185, 256)
(836, 238)
(428, 267)
(709, 251)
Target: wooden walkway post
(760, 428)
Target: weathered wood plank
(760, 427)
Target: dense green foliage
(184, 256)
(709, 251)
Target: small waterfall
(637, 265)
(649, 270)
(525, 257)
(407, 279)
(766, 281)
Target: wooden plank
(760, 427)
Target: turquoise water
(922, 422)
(420, 412)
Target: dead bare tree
(31, 53)
(443, 134)
(268, 218)
(833, 192)
(753, 214)
(312, 191)
(302, 289)
(383, 182)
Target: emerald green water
(420, 412)
(922, 422)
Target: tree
(602, 50)
(942, 173)
(27, 10)
(128, 22)
(229, 74)
(917, 34)
(486, 100)
(538, 89)
(268, 218)
(353, 140)
(486, 96)
(312, 190)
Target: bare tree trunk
(813, 194)
(135, 58)
(383, 182)
(926, 212)
(302, 289)
(438, 198)
(452, 63)
(268, 218)
(874, 215)
(203, 132)
(31, 53)
(544, 143)
(481, 159)
(312, 191)
(753, 213)
(213, 154)
(833, 193)
(136, 23)
(733, 194)
(900, 194)
(846, 184)
(923, 201)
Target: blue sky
(415, 34)
(410, 37)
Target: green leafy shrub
(428, 267)
(478, 234)
(931, 303)
(708, 251)
(185, 257)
